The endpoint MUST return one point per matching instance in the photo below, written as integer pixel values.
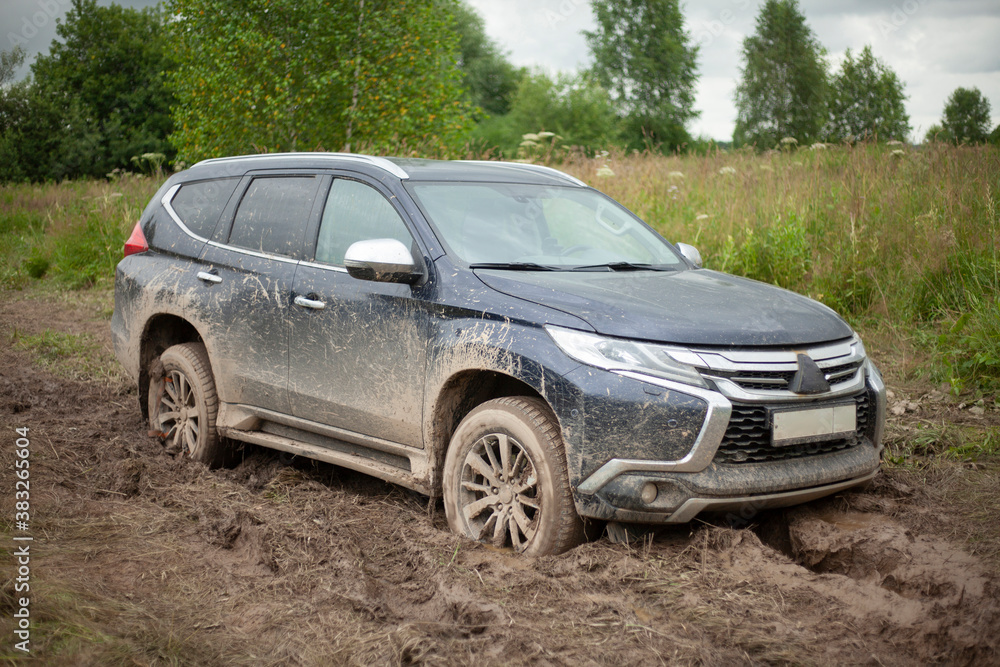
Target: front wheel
(183, 404)
(505, 479)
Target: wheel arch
(460, 394)
(160, 332)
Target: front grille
(748, 437)
(779, 380)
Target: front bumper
(675, 491)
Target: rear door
(357, 350)
(247, 276)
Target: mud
(143, 559)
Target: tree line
(125, 89)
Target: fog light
(649, 492)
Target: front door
(357, 348)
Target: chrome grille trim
(762, 375)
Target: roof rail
(530, 166)
(380, 162)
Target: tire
(505, 479)
(183, 404)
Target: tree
(644, 58)
(491, 81)
(576, 108)
(9, 62)
(783, 87)
(867, 101)
(967, 116)
(937, 133)
(277, 75)
(108, 64)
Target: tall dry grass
(902, 241)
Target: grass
(904, 243)
(72, 233)
(73, 356)
(907, 247)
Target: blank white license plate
(790, 427)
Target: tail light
(136, 242)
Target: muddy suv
(499, 335)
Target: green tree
(487, 75)
(576, 108)
(645, 58)
(277, 75)
(867, 100)
(783, 87)
(9, 62)
(107, 66)
(937, 133)
(967, 116)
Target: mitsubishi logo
(809, 379)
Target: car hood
(691, 307)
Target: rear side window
(356, 212)
(200, 204)
(273, 214)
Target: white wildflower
(546, 135)
(894, 142)
(701, 216)
(789, 141)
(528, 143)
(727, 171)
(897, 153)
(818, 146)
(675, 174)
(605, 171)
(530, 136)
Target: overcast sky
(934, 46)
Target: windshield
(521, 226)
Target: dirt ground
(141, 559)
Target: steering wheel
(574, 248)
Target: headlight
(615, 354)
(858, 347)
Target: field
(279, 561)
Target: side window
(356, 212)
(274, 213)
(200, 204)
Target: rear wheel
(505, 479)
(183, 404)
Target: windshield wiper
(623, 266)
(514, 266)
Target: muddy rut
(142, 559)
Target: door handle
(209, 277)
(315, 304)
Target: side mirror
(381, 260)
(690, 253)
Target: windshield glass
(540, 227)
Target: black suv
(497, 334)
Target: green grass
(74, 356)
(904, 242)
(72, 233)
